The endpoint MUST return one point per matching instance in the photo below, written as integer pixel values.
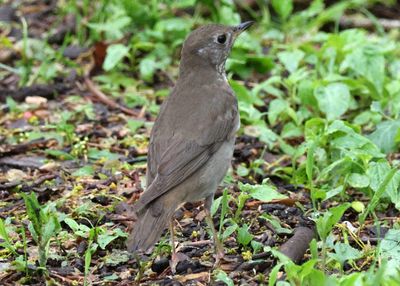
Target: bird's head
(211, 45)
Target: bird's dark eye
(221, 39)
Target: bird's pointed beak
(242, 27)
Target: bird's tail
(149, 227)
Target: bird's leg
(219, 247)
(174, 258)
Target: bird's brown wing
(184, 156)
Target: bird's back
(205, 103)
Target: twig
(62, 278)
(24, 147)
(47, 91)
(25, 186)
(360, 22)
(104, 99)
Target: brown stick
(7, 150)
(361, 22)
(27, 187)
(47, 91)
(298, 244)
(105, 100)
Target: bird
(192, 140)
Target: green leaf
(358, 206)
(389, 248)
(276, 224)
(385, 134)
(358, 181)
(85, 171)
(242, 171)
(310, 161)
(117, 257)
(276, 107)
(134, 125)
(306, 93)
(224, 209)
(92, 247)
(223, 277)
(243, 235)
(265, 192)
(59, 154)
(369, 62)
(35, 216)
(51, 228)
(344, 252)
(333, 99)
(291, 60)
(115, 54)
(97, 154)
(78, 229)
(104, 239)
(6, 239)
(378, 193)
(12, 104)
(113, 27)
(332, 216)
(283, 7)
(228, 231)
(147, 67)
(377, 172)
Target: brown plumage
(192, 140)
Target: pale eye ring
(221, 39)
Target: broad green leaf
(389, 248)
(283, 7)
(384, 135)
(134, 125)
(113, 27)
(291, 60)
(265, 192)
(314, 128)
(115, 53)
(344, 252)
(97, 154)
(59, 154)
(377, 172)
(12, 104)
(84, 171)
(369, 62)
(358, 206)
(332, 216)
(117, 257)
(383, 186)
(147, 68)
(358, 180)
(104, 239)
(290, 130)
(276, 224)
(333, 99)
(242, 171)
(228, 231)
(223, 277)
(276, 107)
